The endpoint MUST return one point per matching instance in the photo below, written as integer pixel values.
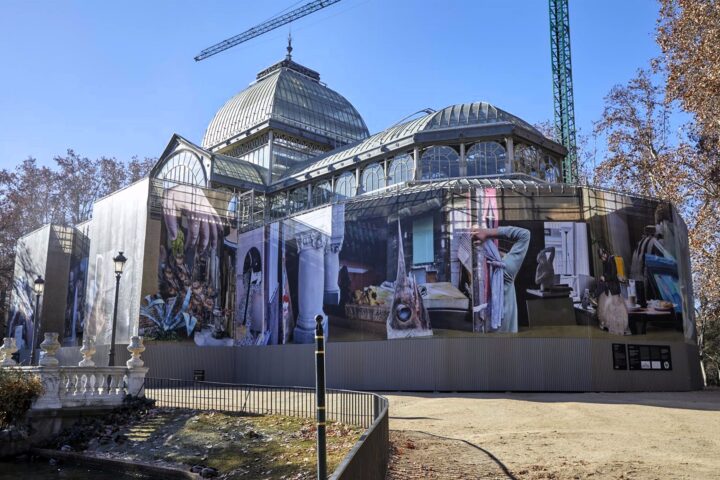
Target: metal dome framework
(289, 95)
(461, 120)
(298, 144)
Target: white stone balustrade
(92, 386)
(7, 350)
(135, 368)
(86, 385)
(87, 351)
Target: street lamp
(320, 398)
(39, 288)
(119, 262)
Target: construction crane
(265, 27)
(563, 85)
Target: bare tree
(643, 156)
(689, 35)
(32, 195)
(137, 168)
(585, 151)
(78, 181)
(640, 153)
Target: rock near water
(208, 472)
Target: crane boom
(265, 27)
(563, 85)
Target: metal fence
(368, 458)
(345, 406)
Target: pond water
(42, 470)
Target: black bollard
(320, 398)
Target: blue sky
(118, 78)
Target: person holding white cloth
(511, 263)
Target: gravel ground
(555, 436)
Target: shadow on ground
(416, 455)
(703, 400)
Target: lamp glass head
(39, 285)
(119, 261)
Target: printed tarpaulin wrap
(664, 273)
(408, 316)
(474, 261)
(440, 295)
(494, 309)
(648, 245)
(487, 217)
(465, 250)
(204, 222)
(286, 311)
(402, 263)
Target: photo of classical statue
(545, 273)
(502, 302)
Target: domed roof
(451, 117)
(476, 113)
(291, 94)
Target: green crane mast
(562, 85)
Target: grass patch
(238, 446)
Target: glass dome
(291, 94)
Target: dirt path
(556, 436)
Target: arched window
(486, 158)
(183, 167)
(345, 186)
(527, 160)
(321, 194)
(440, 162)
(401, 169)
(299, 199)
(550, 169)
(372, 178)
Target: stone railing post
(9, 347)
(49, 346)
(50, 379)
(49, 374)
(87, 351)
(136, 369)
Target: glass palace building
(290, 209)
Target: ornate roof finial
(289, 47)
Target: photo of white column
(332, 256)
(311, 278)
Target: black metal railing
(345, 406)
(368, 458)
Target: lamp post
(320, 398)
(119, 262)
(39, 288)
